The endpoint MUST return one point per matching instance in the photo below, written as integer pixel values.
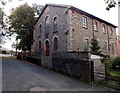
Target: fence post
(92, 70)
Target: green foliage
(22, 20)
(106, 60)
(116, 62)
(1, 21)
(37, 8)
(111, 4)
(95, 48)
(1, 16)
(4, 20)
(118, 39)
(115, 73)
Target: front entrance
(46, 57)
(47, 48)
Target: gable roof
(2, 48)
(77, 10)
(55, 5)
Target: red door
(47, 48)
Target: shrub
(106, 60)
(116, 62)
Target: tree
(110, 4)
(95, 48)
(37, 9)
(22, 20)
(1, 16)
(3, 20)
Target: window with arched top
(95, 25)
(55, 44)
(112, 48)
(111, 31)
(104, 28)
(47, 25)
(55, 23)
(40, 29)
(40, 46)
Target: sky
(94, 7)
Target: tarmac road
(22, 76)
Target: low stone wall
(23, 55)
(74, 65)
(82, 65)
(98, 67)
(99, 70)
(35, 60)
(74, 55)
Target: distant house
(4, 50)
(63, 28)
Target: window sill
(46, 34)
(104, 32)
(55, 31)
(55, 51)
(105, 52)
(96, 30)
(85, 27)
(86, 50)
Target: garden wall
(76, 64)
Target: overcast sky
(94, 7)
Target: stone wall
(98, 68)
(74, 64)
(34, 60)
(74, 55)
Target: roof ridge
(61, 5)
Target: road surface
(22, 76)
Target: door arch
(47, 48)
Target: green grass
(115, 73)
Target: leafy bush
(116, 62)
(106, 60)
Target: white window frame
(84, 22)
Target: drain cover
(37, 89)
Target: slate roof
(2, 48)
(77, 10)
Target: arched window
(55, 44)
(40, 46)
(40, 29)
(47, 48)
(55, 24)
(111, 31)
(112, 48)
(95, 25)
(104, 28)
(47, 25)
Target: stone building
(63, 28)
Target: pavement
(20, 75)
(4, 55)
